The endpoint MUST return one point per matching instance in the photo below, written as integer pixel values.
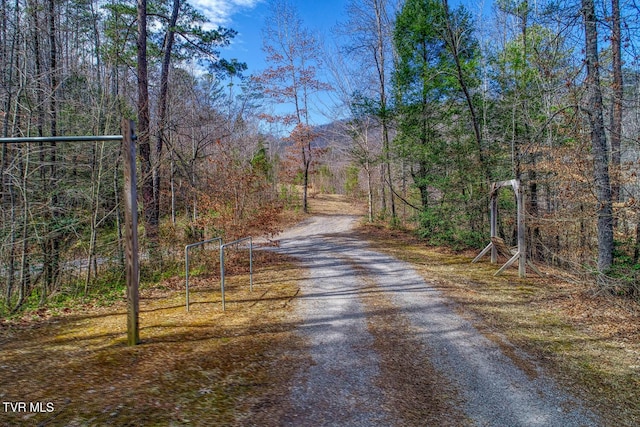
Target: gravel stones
(386, 349)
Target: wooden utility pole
(131, 232)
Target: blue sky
(247, 17)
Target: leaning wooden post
(131, 231)
(522, 242)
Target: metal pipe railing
(19, 140)
(222, 247)
(186, 260)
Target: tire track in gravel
(386, 350)
(338, 387)
(413, 389)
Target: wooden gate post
(521, 254)
(131, 231)
(494, 220)
(522, 241)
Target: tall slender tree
(616, 106)
(143, 129)
(422, 83)
(594, 112)
(185, 39)
(370, 38)
(464, 50)
(163, 101)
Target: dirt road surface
(386, 349)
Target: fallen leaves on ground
(204, 367)
(589, 341)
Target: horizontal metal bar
(235, 242)
(19, 140)
(204, 242)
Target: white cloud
(219, 12)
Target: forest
(429, 104)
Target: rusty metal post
(222, 248)
(186, 262)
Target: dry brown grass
(210, 367)
(204, 367)
(333, 204)
(589, 342)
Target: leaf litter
(210, 367)
(588, 341)
(205, 367)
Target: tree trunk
(9, 75)
(616, 113)
(95, 195)
(382, 81)
(383, 190)
(151, 221)
(306, 161)
(42, 170)
(452, 40)
(117, 191)
(12, 249)
(369, 191)
(53, 238)
(173, 189)
(25, 276)
(162, 104)
(598, 140)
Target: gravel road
(386, 349)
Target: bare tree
(163, 102)
(370, 29)
(616, 107)
(362, 128)
(185, 38)
(291, 79)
